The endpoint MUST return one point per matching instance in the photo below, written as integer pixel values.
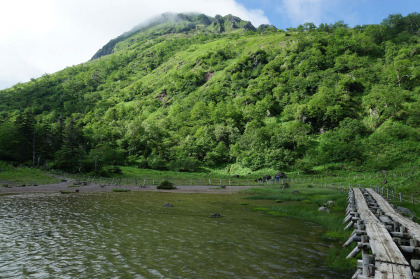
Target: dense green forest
(187, 91)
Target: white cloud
(45, 36)
(302, 11)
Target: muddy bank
(64, 186)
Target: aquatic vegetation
(121, 190)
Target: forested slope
(190, 90)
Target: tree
(384, 102)
(72, 151)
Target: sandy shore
(64, 186)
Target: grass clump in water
(305, 205)
(66, 192)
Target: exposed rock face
(249, 26)
(185, 23)
(266, 27)
(208, 76)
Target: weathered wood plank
(388, 271)
(382, 245)
(412, 227)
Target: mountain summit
(178, 23)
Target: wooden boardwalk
(412, 227)
(381, 235)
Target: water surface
(132, 235)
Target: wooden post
(153, 183)
(229, 181)
(387, 194)
(393, 195)
(400, 197)
(209, 181)
(144, 182)
(220, 182)
(365, 257)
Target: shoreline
(64, 186)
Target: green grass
(206, 176)
(24, 176)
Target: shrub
(166, 185)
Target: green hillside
(189, 90)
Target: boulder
(330, 203)
(404, 211)
(168, 205)
(323, 209)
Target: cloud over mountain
(48, 35)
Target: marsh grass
(66, 192)
(304, 205)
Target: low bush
(166, 185)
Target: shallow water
(132, 235)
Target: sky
(45, 36)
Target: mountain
(188, 90)
(177, 23)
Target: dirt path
(64, 186)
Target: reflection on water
(132, 235)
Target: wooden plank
(412, 227)
(382, 245)
(387, 271)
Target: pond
(132, 235)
